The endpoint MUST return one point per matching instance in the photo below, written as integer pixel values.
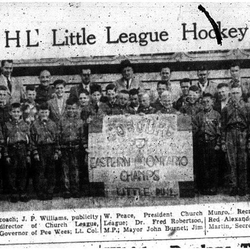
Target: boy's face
(184, 88)
(223, 93)
(202, 75)
(207, 103)
(96, 96)
(3, 96)
(145, 101)
(235, 72)
(127, 73)
(165, 74)
(60, 89)
(166, 101)
(71, 110)
(45, 78)
(31, 95)
(192, 96)
(83, 99)
(161, 88)
(134, 100)
(123, 99)
(236, 94)
(111, 95)
(44, 114)
(16, 113)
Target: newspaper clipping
(124, 125)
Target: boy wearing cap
(45, 151)
(71, 139)
(17, 153)
(206, 132)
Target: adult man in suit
(15, 90)
(44, 91)
(85, 84)
(128, 80)
(204, 84)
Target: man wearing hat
(128, 80)
(15, 90)
(85, 84)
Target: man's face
(83, 99)
(165, 74)
(223, 93)
(123, 99)
(207, 103)
(134, 100)
(43, 114)
(145, 101)
(161, 88)
(111, 95)
(45, 78)
(192, 96)
(202, 75)
(127, 73)
(31, 95)
(7, 69)
(86, 75)
(236, 94)
(185, 87)
(235, 72)
(71, 110)
(16, 113)
(96, 96)
(60, 89)
(166, 101)
(3, 96)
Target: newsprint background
(66, 37)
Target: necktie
(9, 84)
(127, 84)
(96, 108)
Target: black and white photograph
(124, 125)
